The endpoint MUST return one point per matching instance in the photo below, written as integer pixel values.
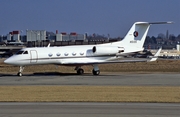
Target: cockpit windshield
(26, 52)
(21, 52)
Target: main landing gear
(79, 70)
(95, 71)
(21, 68)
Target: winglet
(155, 57)
(49, 45)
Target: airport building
(44, 36)
(69, 37)
(14, 36)
(178, 47)
(35, 35)
(41, 35)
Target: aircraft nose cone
(6, 61)
(9, 61)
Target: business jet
(79, 55)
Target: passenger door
(34, 56)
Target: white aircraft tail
(136, 36)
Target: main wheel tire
(80, 71)
(19, 74)
(96, 72)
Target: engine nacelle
(107, 50)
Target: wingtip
(170, 22)
(155, 57)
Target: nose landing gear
(21, 68)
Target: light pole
(21, 32)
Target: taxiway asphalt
(89, 109)
(78, 109)
(116, 79)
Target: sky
(113, 17)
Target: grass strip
(90, 94)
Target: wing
(121, 60)
(105, 62)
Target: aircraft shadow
(53, 74)
(46, 74)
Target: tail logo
(135, 33)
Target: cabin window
(82, 53)
(58, 54)
(73, 53)
(66, 54)
(50, 54)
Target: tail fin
(136, 36)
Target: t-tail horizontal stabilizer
(168, 22)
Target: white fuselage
(65, 55)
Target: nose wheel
(21, 68)
(19, 74)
